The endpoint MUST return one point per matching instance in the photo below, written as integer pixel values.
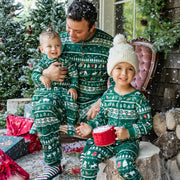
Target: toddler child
(53, 94)
(123, 107)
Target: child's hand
(73, 93)
(122, 133)
(84, 130)
(46, 81)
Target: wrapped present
(9, 168)
(20, 126)
(14, 147)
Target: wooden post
(148, 164)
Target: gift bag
(20, 126)
(9, 168)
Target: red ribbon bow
(8, 168)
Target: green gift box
(14, 146)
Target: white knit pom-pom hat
(122, 52)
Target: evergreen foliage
(12, 51)
(47, 13)
(19, 43)
(164, 32)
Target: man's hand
(56, 73)
(91, 114)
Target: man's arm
(55, 73)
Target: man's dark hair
(82, 9)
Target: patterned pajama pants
(126, 154)
(49, 113)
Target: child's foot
(50, 172)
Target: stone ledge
(14, 104)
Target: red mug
(104, 135)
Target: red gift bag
(20, 126)
(9, 168)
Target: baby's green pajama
(53, 107)
(132, 111)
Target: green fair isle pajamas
(125, 153)
(49, 114)
(91, 59)
(132, 111)
(51, 108)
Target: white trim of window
(121, 2)
(107, 16)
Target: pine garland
(164, 33)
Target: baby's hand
(46, 81)
(84, 130)
(122, 133)
(73, 93)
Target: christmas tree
(47, 13)
(12, 51)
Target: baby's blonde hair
(50, 34)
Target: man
(88, 47)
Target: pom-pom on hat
(122, 52)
